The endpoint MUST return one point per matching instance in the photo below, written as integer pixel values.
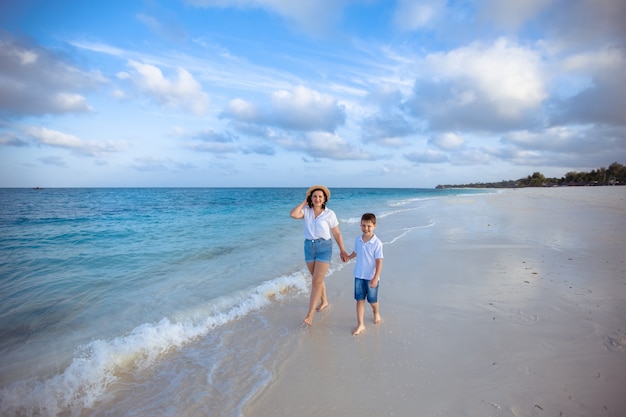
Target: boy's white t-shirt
(320, 227)
(366, 255)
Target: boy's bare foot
(377, 318)
(321, 307)
(358, 329)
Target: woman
(319, 224)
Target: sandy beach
(513, 305)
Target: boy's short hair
(368, 217)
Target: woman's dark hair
(310, 202)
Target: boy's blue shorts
(318, 250)
(362, 290)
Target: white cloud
(24, 57)
(99, 47)
(511, 14)
(554, 139)
(213, 147)
(504, 75)
(242, 110)
(473, 156)
(57, 139)
(299, 109)
(56, 161)
(170, 29)
(208, 140)
(324, 145)
(150, 21)
(428, 156)
(312, 16)
(593, 61)
(480, 87)
(448, 141)
(151, 164)
(412, 15)
(53, 138)
(181, 91)
(587, 23)
(389, 129)
(68, 102)
(306, 109)
(566, 140)
(36, 81)
(602, 98)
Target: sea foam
(98, 364)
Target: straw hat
(318, 187)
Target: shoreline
(511, 305)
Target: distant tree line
(615, 174)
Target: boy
(368, 250)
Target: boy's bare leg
(377, 318)
(360, 312)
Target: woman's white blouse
(320, 227)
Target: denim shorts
(362, 289)
(320, 250)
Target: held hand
(344, 256)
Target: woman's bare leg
(324, 300)
(318, 289)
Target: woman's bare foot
(308, 321)
(377, 318)
(322, 306)
(358, 329)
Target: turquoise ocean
(128, 301)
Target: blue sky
(349, 93)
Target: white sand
(511, 305)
